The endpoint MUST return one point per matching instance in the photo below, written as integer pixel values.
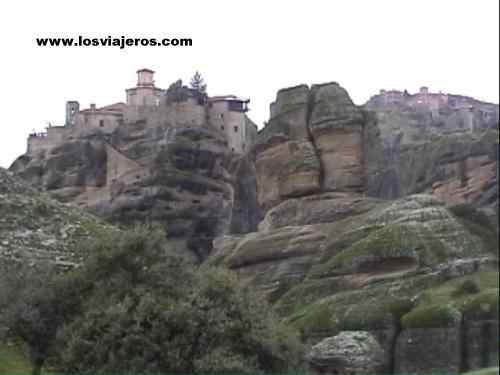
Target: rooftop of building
(221, 98)
(115, 107)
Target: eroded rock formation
(379, 218)
(349, 242)
(312, 143)
(317, 141)
(167, 166)
(395, 269)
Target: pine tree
(197, 83)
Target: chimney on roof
(92, 106)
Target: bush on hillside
(148, 312)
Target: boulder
(349, 352)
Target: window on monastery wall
(236, 129)
(222, 127)
(236, 106)
(101, 123)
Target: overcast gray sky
(248, 48)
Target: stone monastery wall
(147, 103)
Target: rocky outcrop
(311, 144)
(349, 352)
(286, 162)
(336, 126)
(317, 208)
(159, 168)
(389, 268)
(318, 141)
(374, 218)
(413, 233)
(435, 143)
(458, 168)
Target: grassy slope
(486, 371)
(13, 360)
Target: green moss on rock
(434, 316)
(479, 224)
(446, 293)
(374, 307)
(307, 292)
(439, 306)
(351, 311)
(411, 241)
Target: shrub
(34, 304)
(133, 308)
(150, 313)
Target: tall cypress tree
(197, 83)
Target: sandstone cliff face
(318, 141)
(336, 126)
(414, 155)
(286, 163)
(312, 144)
(395, 269)
(374, 218)
(349, 242)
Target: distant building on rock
(465, 112)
